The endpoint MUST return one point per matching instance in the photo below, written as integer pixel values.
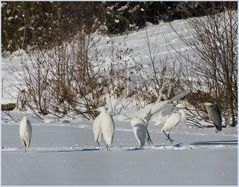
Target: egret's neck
(24, 118)
(183, 115)
(103, 113)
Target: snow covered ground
(63, 151)
(160, 36)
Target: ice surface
(65, 153)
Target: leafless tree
(214, 64)
(75, 77)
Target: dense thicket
(46, 24)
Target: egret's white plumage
(173, 120)
(25, 130)
(97, 130)
(140, 129)
(159, 110)
(163, 113)
(104, 126)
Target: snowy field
(63, 152)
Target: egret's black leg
(165, 134)
(25, 145)
(168, 136)
(107, 147)
(171, 141)
(149, 140)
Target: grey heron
(214, 114)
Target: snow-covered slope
(162, 40)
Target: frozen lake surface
(65, 154)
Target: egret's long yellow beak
(205, 103)
(110, 113)
(94, 110)
(182, 105)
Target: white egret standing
(97, 130)
(173, 120)
(139, 128)
(25, 130)
(104, 126)
(159, 111)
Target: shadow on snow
(217, 142)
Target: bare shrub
(160, 72)
(75, 77)
(214, 65)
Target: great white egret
(25, 130)
(173, 120)
(103, 125)
(139, 128)
(159, 111)
(214, 114)
(97, 130)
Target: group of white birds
(162, 112)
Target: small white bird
(139, 128)
(25, 130)
(173, 120)
(103, 125)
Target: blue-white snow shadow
(50, 149)
(135, 149)
(79, 150)
(168, 145)
(156, 147)
(216, 142)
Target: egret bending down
(140, 129)
(103, 125)
(147, 118)
(173, 120)
(25, 130)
